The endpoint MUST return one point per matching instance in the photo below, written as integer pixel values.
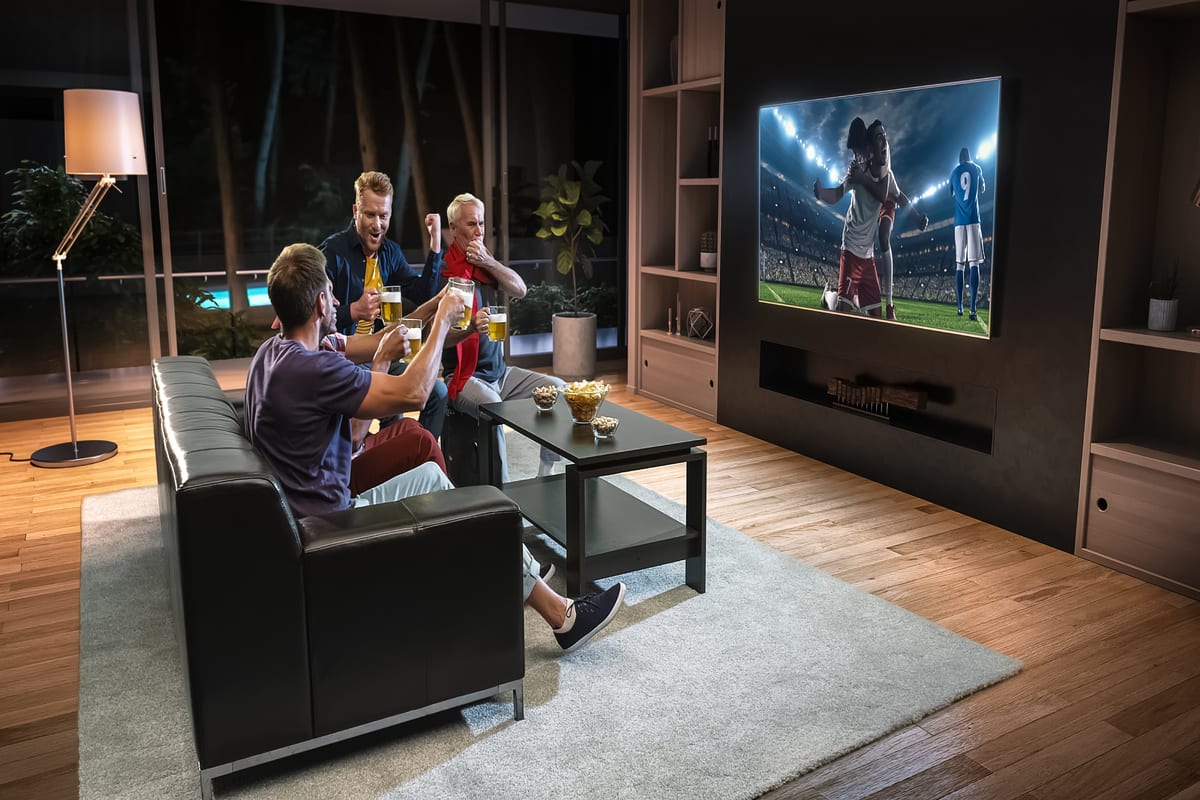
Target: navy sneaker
(588, 615)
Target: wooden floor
(1107, 707)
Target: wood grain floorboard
(1106, 708)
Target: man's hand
(366, 306)
(393, 346)
(482, 316)
(450, 307)
(477, 253)
(433, 224)
(856, 173)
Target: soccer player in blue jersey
(966, 184)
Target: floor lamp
(103, 132)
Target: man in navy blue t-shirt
(966, 184)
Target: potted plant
(1164, 305)
(571, 217)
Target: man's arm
(395, 394)
(509, 281)
(829, 196)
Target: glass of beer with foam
(390, 306)
(414, 336)
(466, 288)
(497, 323)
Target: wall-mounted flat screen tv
(882, 205)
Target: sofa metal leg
(519, 701)
(206, 785)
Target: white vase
(1163, 314)
(574, 345)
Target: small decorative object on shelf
(714, 152)
(699, 324)
(670, 311)
(1164, 305)
(708, 251)
(874, 400)
(678, 316)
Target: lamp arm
(81, 220)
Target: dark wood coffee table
(605, 530)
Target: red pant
(396, 449)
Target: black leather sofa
(296, 633)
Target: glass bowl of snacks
(544, 397)
(584, 399)
(603, 427)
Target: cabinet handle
(1102, 503)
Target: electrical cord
(13, 456)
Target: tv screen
(882, 205)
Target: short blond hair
(464, 199)
(377, 182)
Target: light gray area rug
(776, 670)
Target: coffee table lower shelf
(622, 533)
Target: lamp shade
(103, 131)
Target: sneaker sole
(603, 623)
(549, 574)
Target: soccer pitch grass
(942, 316)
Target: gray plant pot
(574, 345)
(1163, 314)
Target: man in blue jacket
(346, 254)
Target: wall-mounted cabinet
(1139, 504)
(675, 204)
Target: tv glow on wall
(940, 156)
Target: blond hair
(466, 198)
(376, 182)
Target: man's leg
(433, 415)
(393, 451)
(424, 479)
(958, 286)
(517, 383)
(974, 279)
(473, 394)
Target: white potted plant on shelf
(570, 215)
(1164, 305)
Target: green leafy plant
(1164, 288)
(570, 215)
(44, 202)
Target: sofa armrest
(411, 603)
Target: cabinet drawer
(1145, 518)
(681, 376)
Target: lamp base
(74, 454)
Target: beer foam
(389, 297)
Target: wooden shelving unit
(676, 98)
(1139, 500)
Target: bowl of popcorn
(584, 398)
(603, 427)
(544, 397)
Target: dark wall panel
(1056, 62)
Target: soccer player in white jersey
(858, 280)
(966, 184)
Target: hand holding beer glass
(497, 323)
(466, 288)
(391, 308)
(413, 326)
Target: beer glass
(413, 335)
(390, 306)
(497, 323)
(467, 289)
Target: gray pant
(513, 384)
